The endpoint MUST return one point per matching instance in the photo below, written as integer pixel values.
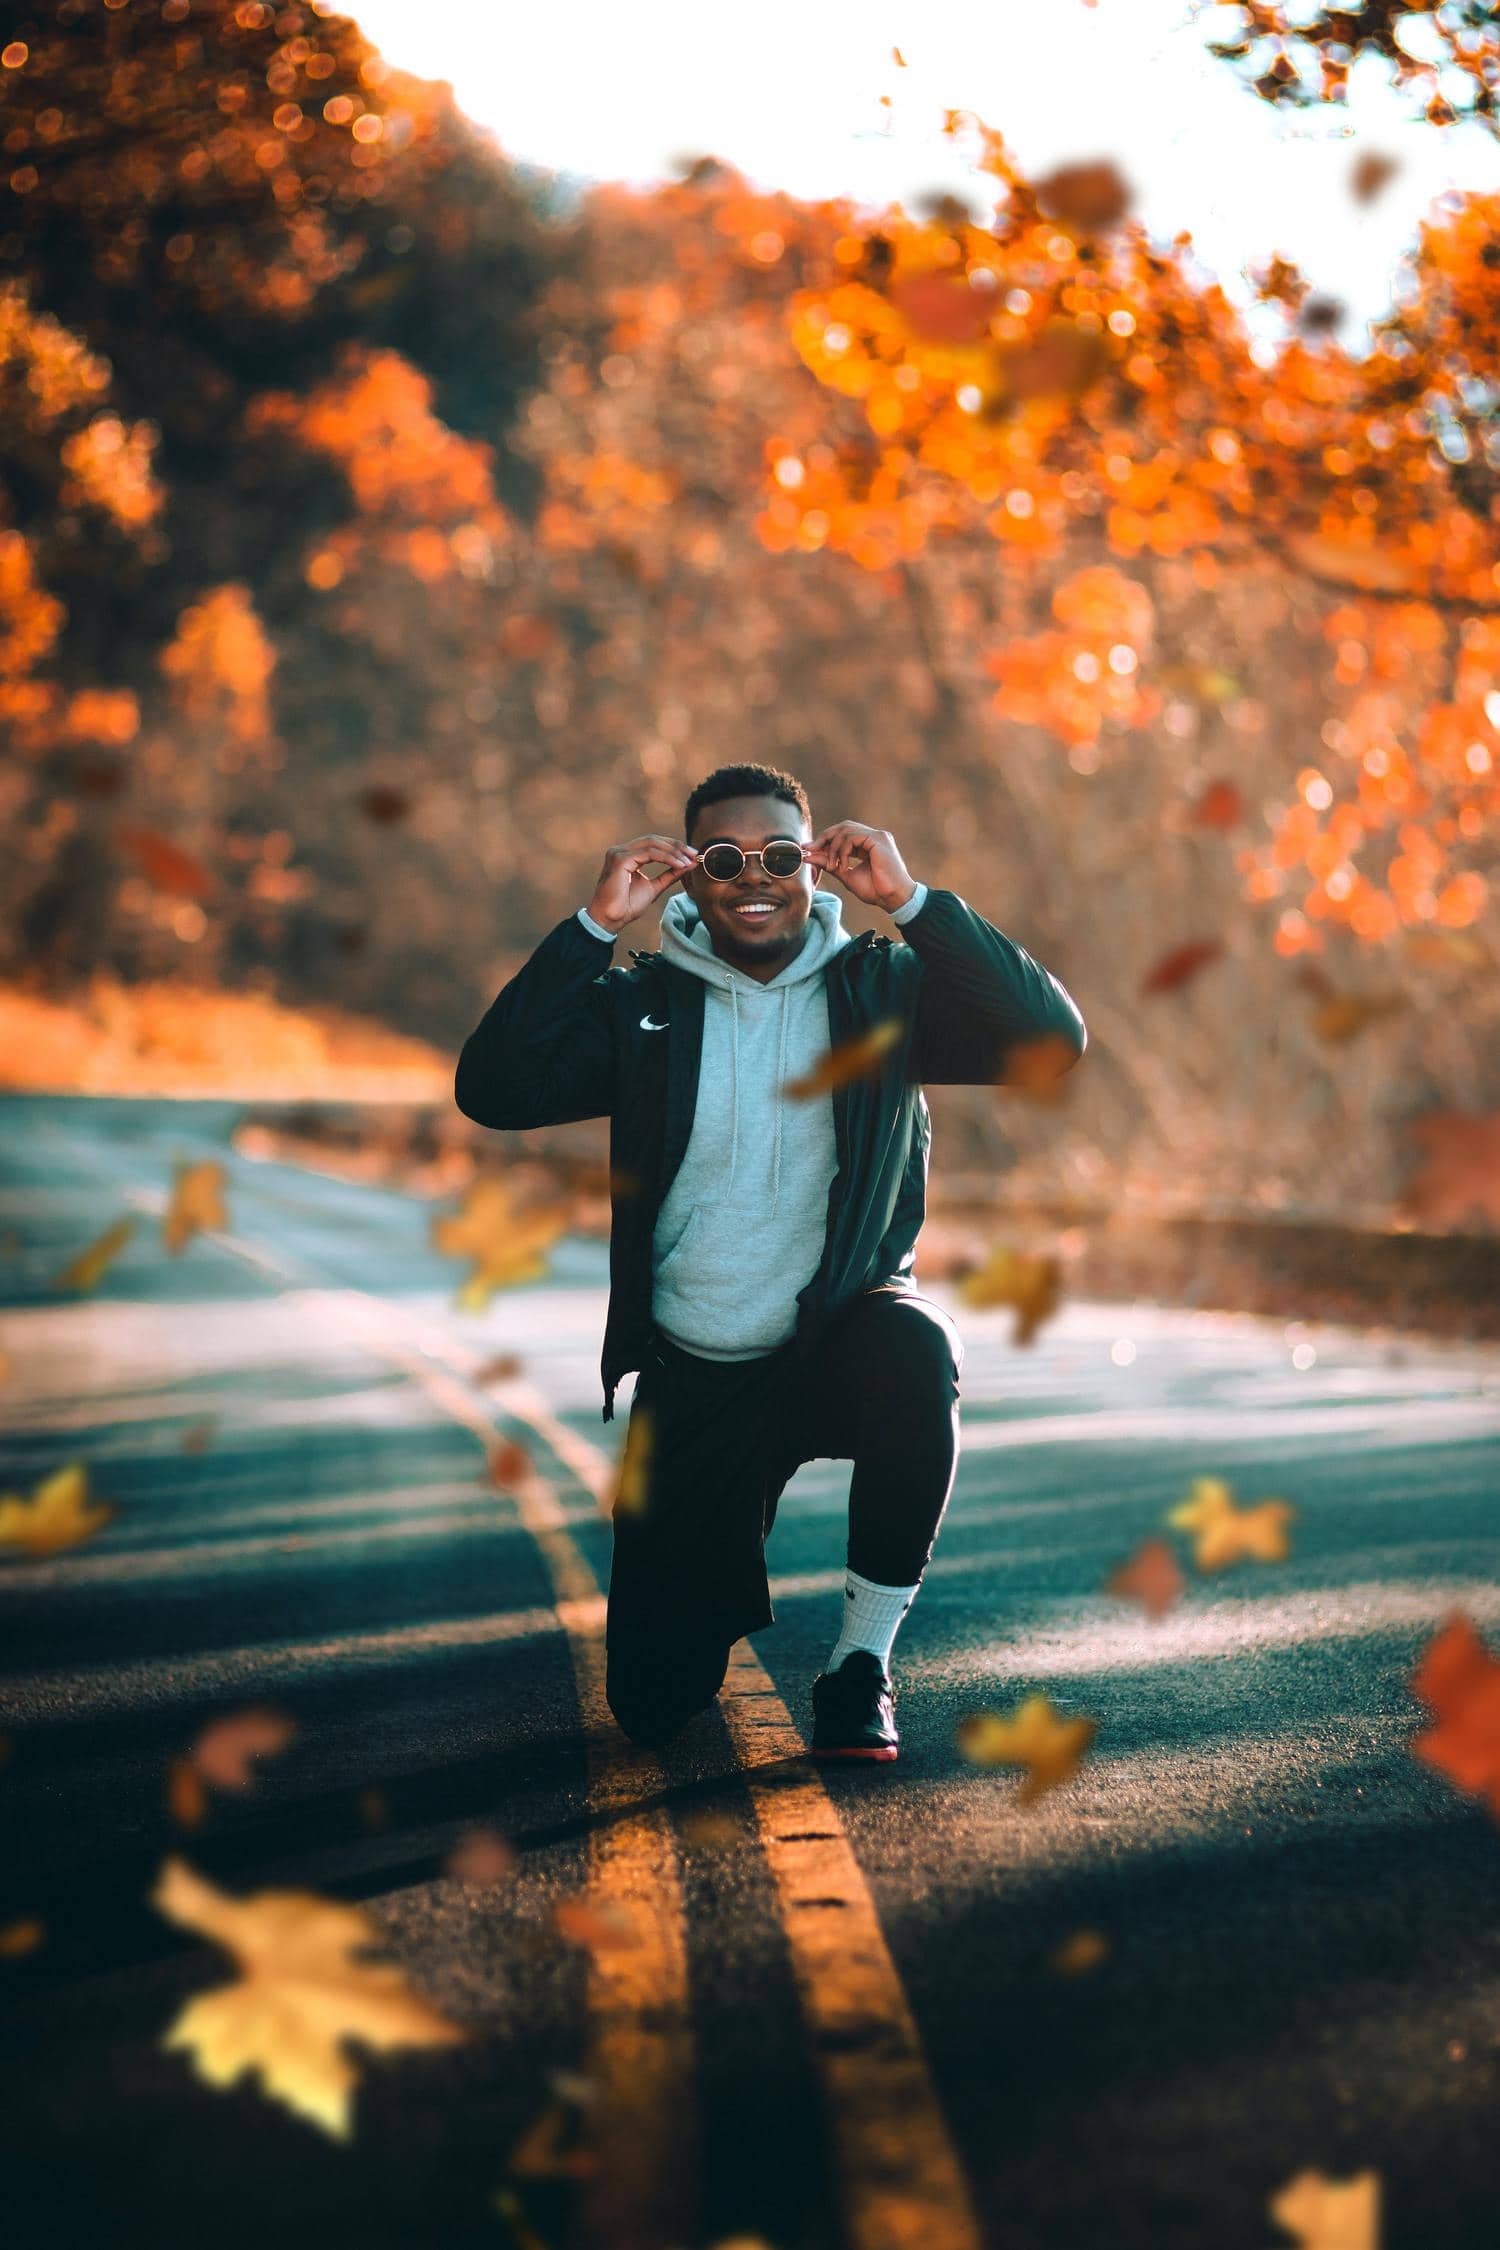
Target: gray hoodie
(741, 1228)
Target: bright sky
(788, 91)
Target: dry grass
(173, 1039)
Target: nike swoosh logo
(648, 1025)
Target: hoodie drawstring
(780, 1097)
(734, 1065)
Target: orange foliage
(221, 663)
(1054, 373)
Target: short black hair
(745, 781)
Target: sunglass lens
(722, 862)
(782, 859)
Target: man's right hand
(624, 890)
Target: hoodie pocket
(678, 1261)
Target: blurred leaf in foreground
(1459, 1681)
(1327, 2214)
(1015, 1277)
(196, 1206)
(505, 1241)
(302, 1995)
(1150, 1576)
(851, 1059)
(61, 1513)
(1226, 1534)
(222, 1756)
(90, 1266)
(1035, 1735)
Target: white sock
(872, 1618)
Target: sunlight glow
(810, 100)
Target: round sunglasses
(722, 862)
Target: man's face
(759, 944)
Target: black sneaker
(853, 1715)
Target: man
(761, 1240)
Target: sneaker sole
(884, 1754)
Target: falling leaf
(18, 1938)
(549, 2147)
(89, 1267)
(196, 1205)
(851, 1059)
(1077, 1954)
(1220, 805)
(1356, 562)
(1461, 1175)
(1372, 171)
(1459, 1681)
(597, 1927)
(1036, 1067)
(197, 1437)
(1343, 1015)
(1061, 361)
(509, 1464)
(1446, 949)
(302, 1994)
(1318, 315)
(481, 1856)
(1327, 2214)
(1025, 1279)
(1084, 195)
(632, 1490)
(384, 804)
(943, 307)
(1180, 965)
(222, 1758)
(500, 1369)
(1035, 1735)
(61, 1513)
(505, 1241)
(1226, 1534)
(164, 863)
(1150, 1576)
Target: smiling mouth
(755, 913)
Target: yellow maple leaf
(505, 1241)
(88, 1269)
(302, 1995)
(197, 1204)
(1034, 1735)
(60, 1513)
(1227, 1534)
(1015, 1277)
(1329, 2214)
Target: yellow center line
(643, 2187)
(899, 2177)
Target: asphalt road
(839, 2018)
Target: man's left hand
(866, 861)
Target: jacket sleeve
(979, 995)
(543, 1053)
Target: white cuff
(594, 929)
(913, 906)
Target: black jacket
(565, 1040)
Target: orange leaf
(1180, 965)
(164, 863)
(1459, 1681)
(1150, 1576)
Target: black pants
(719, 1440)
